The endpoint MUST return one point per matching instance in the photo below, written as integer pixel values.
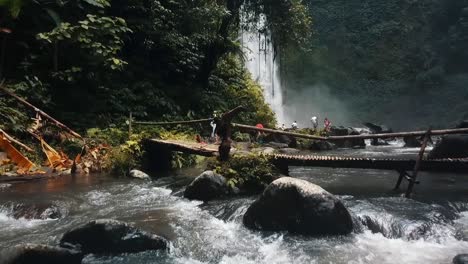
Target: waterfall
(261, 62)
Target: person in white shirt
(294, 125)
(314, 121)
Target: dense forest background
(91, 62)
(399, 62)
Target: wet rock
(347, 143)
(379, 142)
(321, 145)
(32, 253)
(139, 175)
(412, 142)
(300, 207)
(36, 211)
(462, 124)
(289, 151)
(290, 141)
(339, 131)
(206, 186)
(362, 130)
(264, 150)
(377, 129)
(460, 259)
(450, 146)
(107, 236)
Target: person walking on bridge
(327, 124)
(314, 122)
(294, 125)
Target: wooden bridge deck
(448, 165)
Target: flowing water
(262, 63)
(431, 228)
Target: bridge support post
(412, 178)
(400, 178)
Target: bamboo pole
(418, 163)
(44, 114)
(206, 120)
(279, 132)
(10, 138)
(385, 135)
(403, 134)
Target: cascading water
(262, 62)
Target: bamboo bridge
(282, 160)
(224, 126)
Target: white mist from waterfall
(261, 62)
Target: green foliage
(98, 3)
(250, 173)
(182, 160)
(92, 62)
(241, 137)
(289, 21)
(232, 81)
(13, 6)
(379, 57)
(111, 136)
(99, 37)
(127, 156)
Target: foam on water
(8, 222)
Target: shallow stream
(430, 228)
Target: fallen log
(42, 113)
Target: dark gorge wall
(400, 62)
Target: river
(431, 228)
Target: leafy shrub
(126, 156)
(251, 173)
(241, 137)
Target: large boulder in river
(460, 259)
(206, 186)
(450, 146)
(107, 236)
(33, 254)
(300, 207)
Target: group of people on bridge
(314, 123)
